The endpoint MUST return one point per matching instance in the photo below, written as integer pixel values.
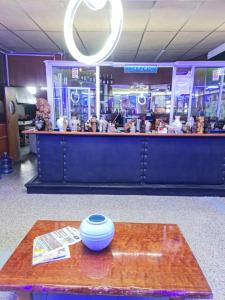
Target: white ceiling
(160, 30)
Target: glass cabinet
(185, 89)
(71, 90)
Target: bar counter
(129, 163)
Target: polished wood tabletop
(142, 260)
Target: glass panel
(182, 92)
(206, 90)
(74, 92)
(222, 107)
(132, 96)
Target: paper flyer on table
(54, 245)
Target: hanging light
(116, 23)
(95, 4)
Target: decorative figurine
(126, 127)
(132, 127)
(94, 123)
(103, 124)
(147, 126)
(142, 125)
(62, 123)
(200, 124)
(111, 127)
(177, 125)
(39, 122)
(43, 112)
(74, 123)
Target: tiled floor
(201, 219)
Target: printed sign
(75, 73)
(140, 69)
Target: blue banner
(140, 69)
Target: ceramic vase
(62, 123)
(96, 232)
(74, 124)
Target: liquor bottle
(107, 81)
(111, 79)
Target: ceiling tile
(212, 41)
(129, 41)
(192, 54)
(123, 56)
(12, 42)
(13, 17)
(181, 4)
(58, 38)
(208, 17)
(171, 55)
(186, 40)
(38, 40)
(156, 40)
(221, 28)
(49, 14)
(97, 20)
(136, 14)
(147, 55)
(163, 19)
(93, 41)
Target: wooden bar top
(120, 134)
(142, 260)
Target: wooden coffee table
(143, 260)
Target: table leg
(21, 295)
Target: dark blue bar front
(131, 159)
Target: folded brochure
(54, 245)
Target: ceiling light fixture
(95, 4)
(32, 90)
(116, 23)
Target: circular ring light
(141, 100)
(95, 5)
(116, 23)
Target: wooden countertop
(142, 260)
(121, 134)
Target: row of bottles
(106, 79)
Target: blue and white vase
(96, 232)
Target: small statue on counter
(94, 123)
(142, 124)
(161, 126)
(43, 113)
(74, 123)
(111, 127)
(39, 123)
(200, 125)
(147, 126)
(62, 123)
(127, 127)
(207, 125)
(132, 127)
(186, 128)
(103, 124)
(219, 124)
(177, 125)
